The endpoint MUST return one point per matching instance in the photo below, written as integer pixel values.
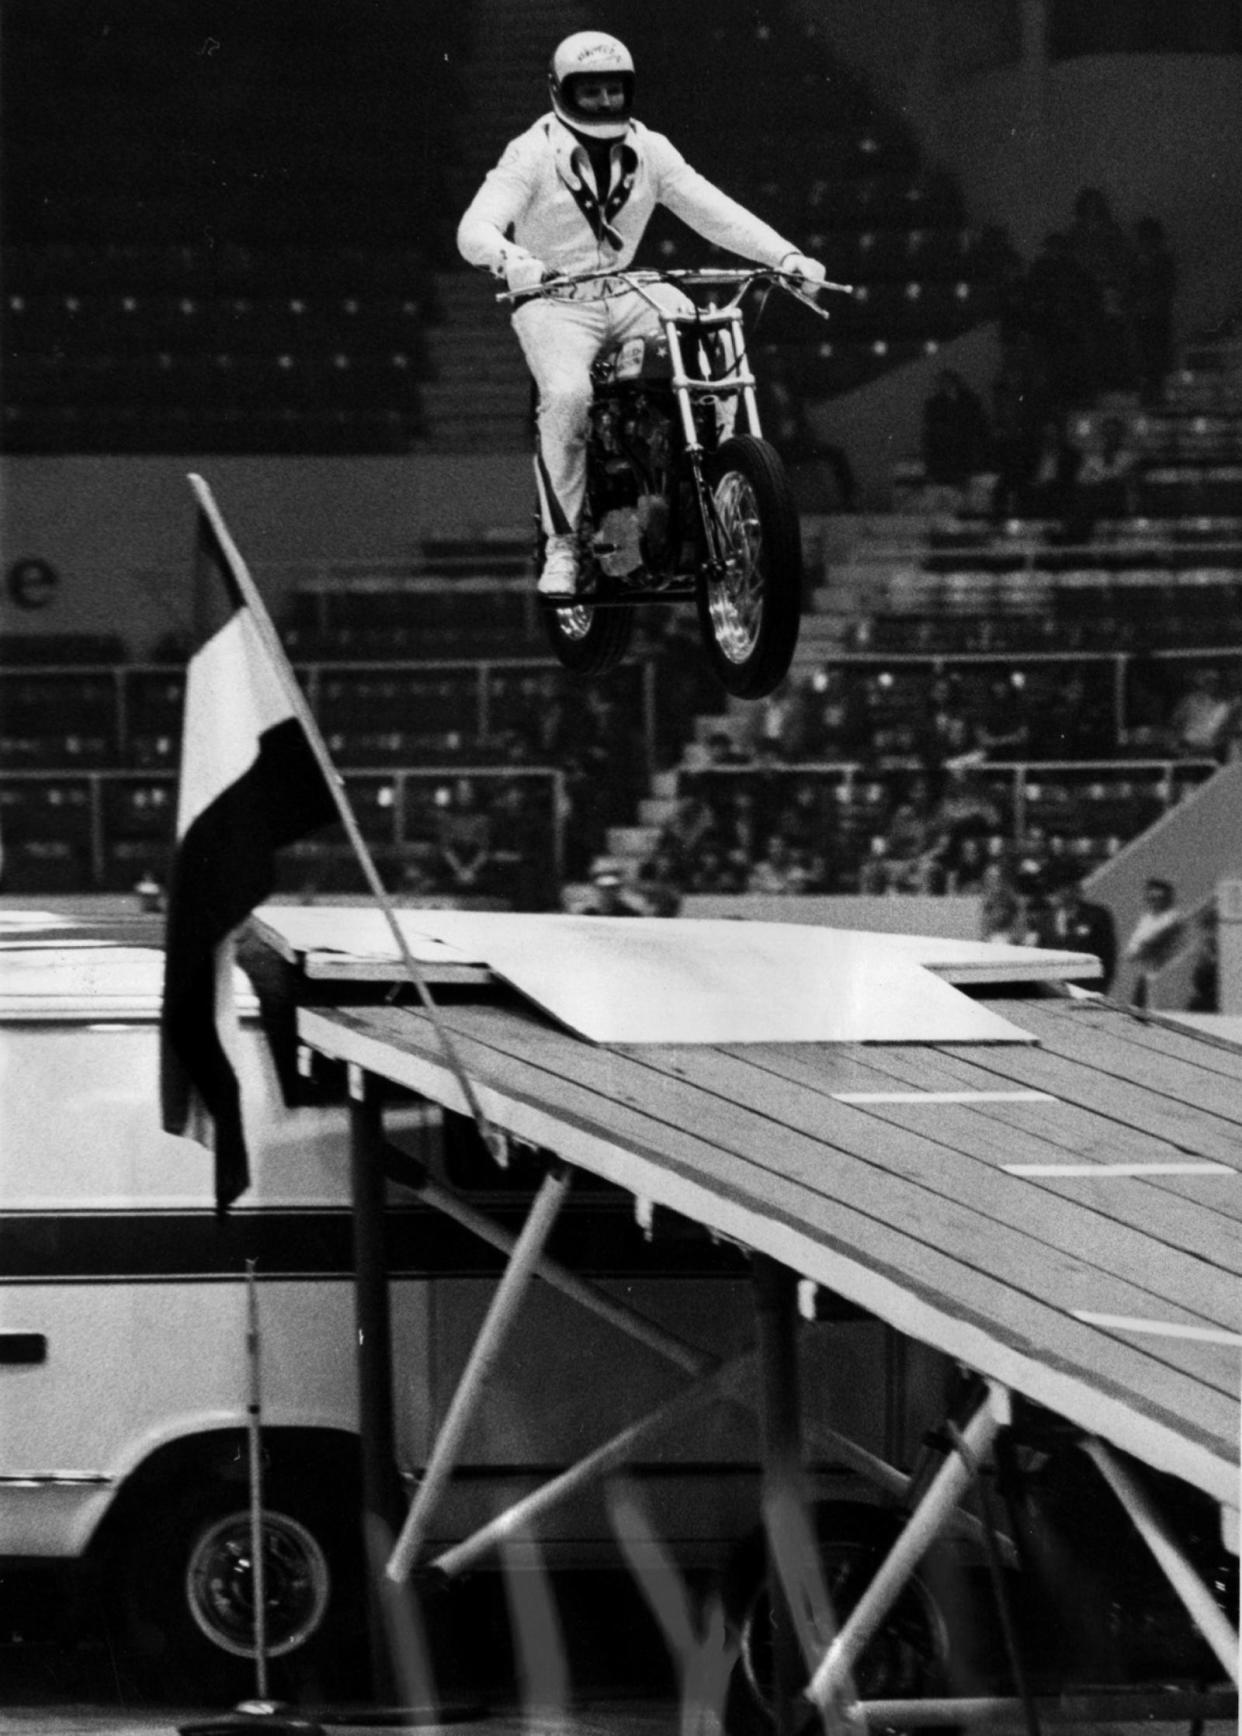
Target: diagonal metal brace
(1203, 1608)
(929, 1518)
(518, 1274)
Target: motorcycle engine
(629, 472)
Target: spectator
(682, 836)
(840, 724)
(1105, 484)
(781, 869)
(875, 871)
(608, 896)
(1205, 970)
(963, 812)
(716, 871)
(1018, 416)
(1004, 729)
(684, 687)
(1059, 866)
(948, 735)
(660, 883)
(970, 863)
(783, 726)
(723, 750)
(1204, 717)
(956, 433)
(1101, 247)
(1153, 290)
(999, 916)
(1062, 309)
(463, 837)
(1010, 917)
(1049, 490)
(802, 818)
(1082, 724)
(1155, 938)
(523, 826)
(1075, 923)
(788, 425)
(910, 834)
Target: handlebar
(622, 281)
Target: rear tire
(749, 614)
(585, 640)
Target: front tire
(749, 611)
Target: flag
(250, 783)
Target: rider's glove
(810, 271)
(523, 271)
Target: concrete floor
(605, 1718)
(616, 1719)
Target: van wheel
(908, 1657)
(187, 1588)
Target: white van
(124, 1375)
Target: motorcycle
(685, 499)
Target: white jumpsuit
(543, 192)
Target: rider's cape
(543, 192)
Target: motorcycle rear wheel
(749, 612)
(586, 640)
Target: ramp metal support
(928, 1519)
(650, 1333)
(1111, 1706)
(780, 1418)
(626, 1319)
(517, 1519)
(518, 1274)
(1179, 1571)
(373, 1336)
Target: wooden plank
(775, 1136)
(952, 1148)
(1088, 1375)
(1096, 1045)
(780, 1157)
(1132, 1109)
(998, 1133)
(1201, 1049)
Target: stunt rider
(576, 191)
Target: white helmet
(591, 53)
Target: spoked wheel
(750, 608)
(586, 640)
(906, 1659)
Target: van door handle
(21, 1349)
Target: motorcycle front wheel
(750, 604)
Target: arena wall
(1160, 133)
(119, 531)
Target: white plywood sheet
(651, 980)
(87, 981)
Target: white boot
(559, 577)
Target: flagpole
(254, 1435)
(301, 708)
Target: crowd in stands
(1091, 314)
(932, 822)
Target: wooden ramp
(1063, 1217)
(1048, 1194)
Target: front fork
(738, 382)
